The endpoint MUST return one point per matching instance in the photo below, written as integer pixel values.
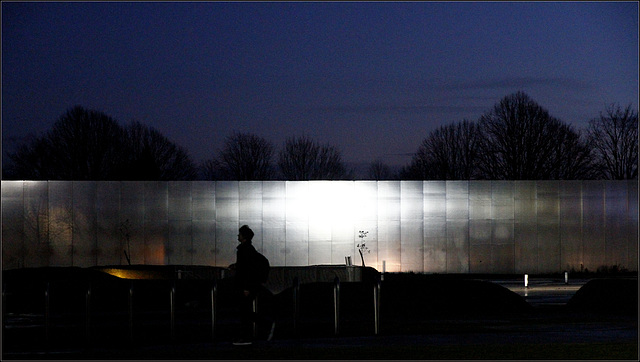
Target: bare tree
(151, 156)
(521, 141)
(380, 171)
(31, 161)
(303, 159)
(448, 153)
(82, 145)
(89, 145)
(211, 170)
(246, 157)
(614, 138)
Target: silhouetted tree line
(519, 140)
(516, 140)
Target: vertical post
(214, 295)
(526, 280)
(296, 304)
(172, 304)
(47, 315)
(384, 269)
(4, 309)
(376, 306)
(566, 277)
(88, 314)
(131, 312)
(336, 305)
(255, 311)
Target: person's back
(250, 274)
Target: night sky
(372, 79)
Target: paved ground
(549, 334)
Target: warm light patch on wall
(131, 274)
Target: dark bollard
(172, 305)
(376, 306)
(4, 309)
(336, 305)
(47, 314)
(88, 314)
(131, 312)
(296, 304)
(214, 296)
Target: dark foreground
(421, 317)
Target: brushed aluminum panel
(297, 202)
(502, 256)
(132, 214)
(203, 200)
(250, 207)
(435, 245)
(412, 252)
(12, 224)
(85, 238)
(226, 243)
(179, 206)
(457, 246)
(479, 212)
(228, 202)
(411, 200)
(547, 200)
(322, 206)
(342, 244)
(179, 243)
(365, 201)
(615, 223)
(389, 246)
(204, 242)
(525, 210)
(389, 207)
(632, 226)
(480, 258)
(274, 202)
(502, 209)
(480, 232)
(503, 190)
(502, 232)
(571, 225)
(457, 209)
(479, 190)
(435, 206)
(480, 209)
(548, 246)
(36, 223)
(525, 190)
(61, 224)
(593, 224)
(320, 252)
(435, 188)
(457, 189)
(274, 241)
(526, 247)
(297, 243)
(156, 200)
(132, 202)
(156, 242)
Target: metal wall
(420, 226)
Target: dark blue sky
(371, 78)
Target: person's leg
(245, 305)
